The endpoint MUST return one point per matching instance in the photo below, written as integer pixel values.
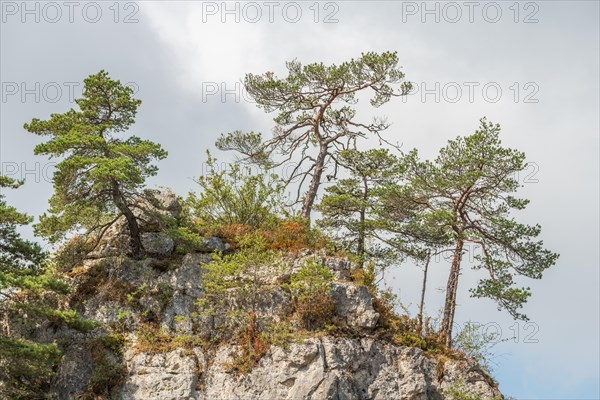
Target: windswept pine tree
(315, 118)
(102, 173)
(467, 194)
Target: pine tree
(28, 292)
(101, 175)
(466, 192)
(347, 207)
(315, 118)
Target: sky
(533, 67)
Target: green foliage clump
(311, 291)
(26, 367)
(235, 274)
(109, 370)
(232, 194)
(22, 262)
(151, 338)
(57, 317)
(285, 332)
(474, 341)
(404, 330)
(30, 295)
(187, 239)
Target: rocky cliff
(319, 368)
(124, 358)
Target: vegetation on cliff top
(379, 207)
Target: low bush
(252, 347)
(474, 341)
(232, 194)
(151, 338)
(402, 329)
(311, 291)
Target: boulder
(211, 244)
(158, 244)
(353, 303)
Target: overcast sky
(531, 66)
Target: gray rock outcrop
(323, 368)
(158, 244)
(163, 289)
(354, 304)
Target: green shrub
(26, 367)
(150, 338)
(187, 240)
(232, 194)
(476, 342)
(284, 333)
(109, 370)
(235, 274)
(311, 289)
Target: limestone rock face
(76, 368)
(168, 376)
(154, 207)
(291, 263)
(210, 244)
(341, 267)
(166, 200)
(158, 244)
(354, 304)
(324, 368)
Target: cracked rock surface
(319, 368)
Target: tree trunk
(421, 305)
(361, 247)
(137, 249)
(451, 290)
(311, 193)
(361, 238)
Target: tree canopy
(466, 194)
(315, 117)
(102, 173)
(348, 206)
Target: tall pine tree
(102, 173)
(315, 118)
(466, 194)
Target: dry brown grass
(150, 338)
(252, 347)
